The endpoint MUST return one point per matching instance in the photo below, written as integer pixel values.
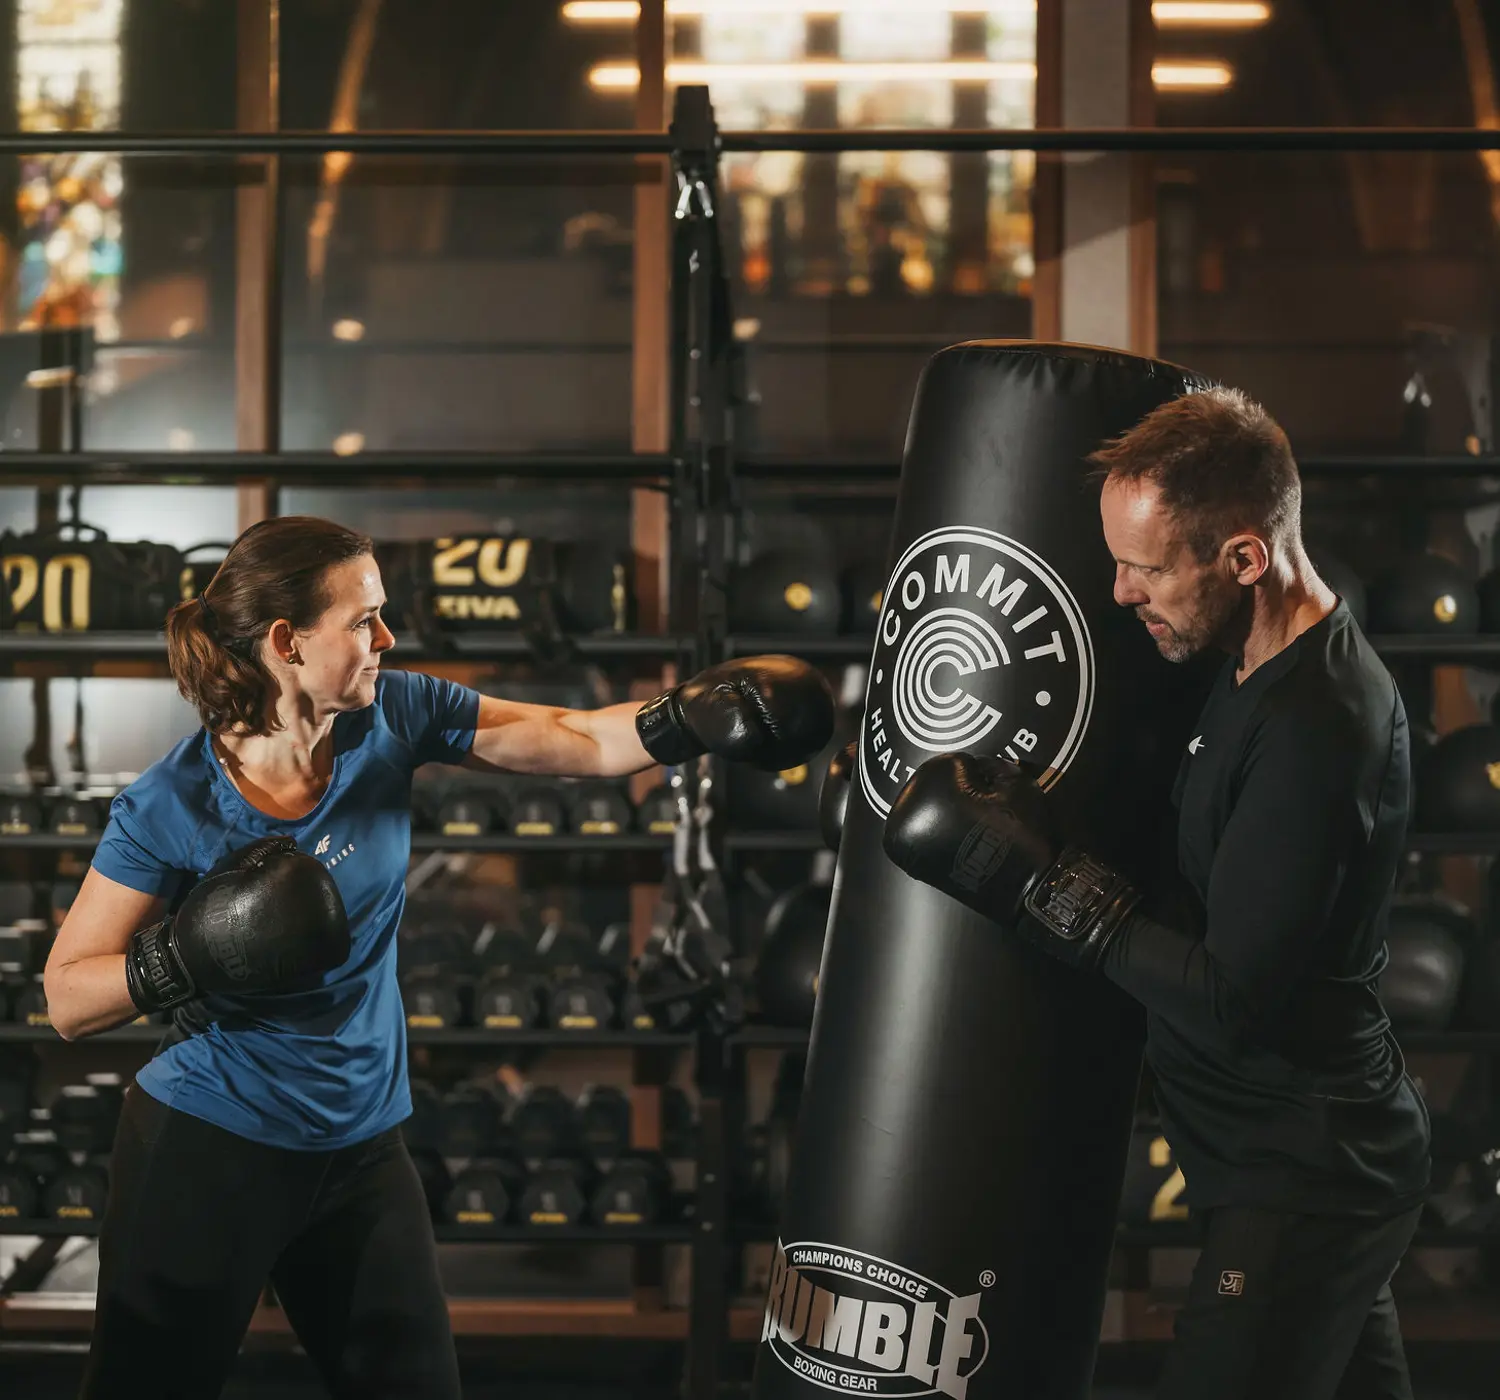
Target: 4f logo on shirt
(1231, 1283)
(321, 849)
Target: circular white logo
(982, 647)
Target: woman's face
(341, 652)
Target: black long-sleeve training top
(1278, 1080)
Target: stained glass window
(68, 79)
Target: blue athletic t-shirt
(325, 1067)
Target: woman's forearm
(88, 996)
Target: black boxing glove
(770, 711)
(264, 919)
(981, 831)
(833, 798)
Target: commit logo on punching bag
(849, 1321)
(981, 647)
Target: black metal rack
(354, 469)
(699, 475)
(631, 1235)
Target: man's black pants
(1296, 1307)
(199, 1218)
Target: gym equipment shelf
(1471, 648)
(456, 646)
(1181, 1234)
(750, 1037)
(420, 841)
(1447, 1042)
(36, 1314)
(804, 471)
(773, 841)
(446, 1234)
(1454, 843)
(1450, 843)
(468, 1036)
(357, 469)
(810, 646)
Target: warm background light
(1210, 14)
(1191, 75)
(628, 11)
(623, 77)
(1198, 13)
(612, 76)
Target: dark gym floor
(576, 1369)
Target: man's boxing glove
(264, 919)
(980, 830)
(770, 711)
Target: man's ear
(1246, 557)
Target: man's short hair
(1221, 464)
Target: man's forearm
(1172, 974)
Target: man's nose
(1128, 593)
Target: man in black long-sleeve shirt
(1303, 1144)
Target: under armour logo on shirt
(1195, 744)
(322, 847)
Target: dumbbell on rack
(472, 1121)
(435, 959)
(543, 1124)
(21, 815)
(579, 991)
(484, 1193)
(635, 1190)
(604, 1121)
(599, 809)
(656, 813)
(557, 1193)
(509, 994)
(74, 815)
(37, 1181)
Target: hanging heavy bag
(951, 1201)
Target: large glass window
(1322, 282)
(455, 303)
(849, 269)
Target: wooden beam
(1143, 313)
(257, 329)
(650, 427)
(1047, 188)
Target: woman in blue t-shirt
(262, 1139)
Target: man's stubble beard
(1208, 626)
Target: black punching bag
(967, 1108)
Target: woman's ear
(282, 642)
